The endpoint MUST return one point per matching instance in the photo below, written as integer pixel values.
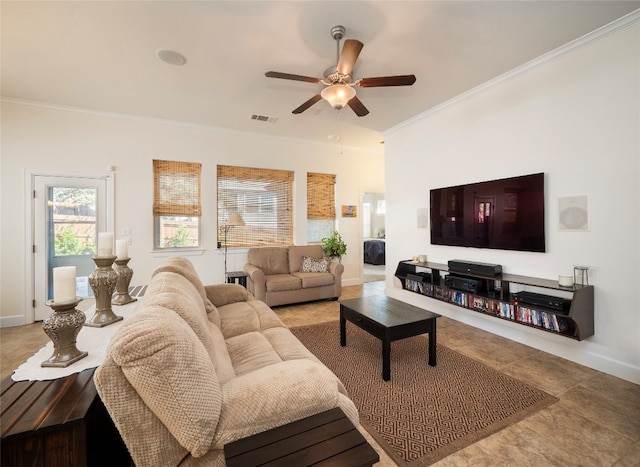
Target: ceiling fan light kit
(339, 84)
(338, 95)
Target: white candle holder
(125, 273)
(103, 281)
(63, 327)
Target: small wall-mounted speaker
(422, 218)
(573, 213)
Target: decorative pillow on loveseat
(314, 265)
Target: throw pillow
(314, 265)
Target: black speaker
(472, 267)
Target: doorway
(373, 234)
(67, 214)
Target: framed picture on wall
(349, 210)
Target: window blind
(321, 200)
(177, 189)
(264, 199)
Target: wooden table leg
(386, 359)
(343, 329)
(432, 343)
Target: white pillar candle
(64, 284)
(105, 244)
(121, 249)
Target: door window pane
(72, 231)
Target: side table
(58, 423)
(240, 276)
(328, 438)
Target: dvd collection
(547, 320)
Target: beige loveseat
(196, 367)
(278, 276)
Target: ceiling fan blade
(402, 80)
(358, 107)
(277, 74)
(349, 55)
(307, 104)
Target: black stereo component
(546, 301)
(471, 267)
(466, 284)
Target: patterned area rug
(424, 413)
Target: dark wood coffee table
(389, 320)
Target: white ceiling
(101, 56)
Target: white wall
(576, 118)
(44, 139)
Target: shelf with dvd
(566, 311)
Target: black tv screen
(505, 214)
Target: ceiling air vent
(264, 118)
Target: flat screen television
(505, 214)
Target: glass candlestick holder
(103, 281)
(125, 273)
(63, 327)
(581, 275)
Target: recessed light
(171, 57)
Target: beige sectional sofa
(197, 367)
(278, 276)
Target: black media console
(483, 288)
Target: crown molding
(174, 123)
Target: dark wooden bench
(328, 438)
(58, 423)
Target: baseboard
(586, 352)
(11, 321)
(347, 282)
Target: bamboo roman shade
(321, 204)
(177, 188)
(264, 199)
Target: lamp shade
(338, 95)
(235, 219)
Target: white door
(68, 214)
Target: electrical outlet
(126, 231)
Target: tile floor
(596, 421)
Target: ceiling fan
(339, 84)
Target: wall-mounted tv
(505, 214)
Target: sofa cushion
(275, 395)
(221, 358)
(166, 363)
(314, 279)
(298, 252)
(272, 260)
(243, 317)
(185, 268)
(174, 292)
(282, 282)
(250, 352)
(314, 265)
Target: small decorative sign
(349, 210)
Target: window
(321, 206)
(263, 198)
(176, 204)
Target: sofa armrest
(272, 396)
(336, 269)
(257, 285)
(223, 294)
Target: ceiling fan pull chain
(340, 129)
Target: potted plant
(334, 246)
